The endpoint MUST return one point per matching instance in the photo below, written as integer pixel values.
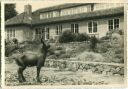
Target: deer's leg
(38, 74)
(20, 74)
(22, 69)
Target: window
(10, 33)
(90, 8)
(47, 33)
(92, 27)
(39, 32)
(113, 24)
(58, 29)
(74, 28)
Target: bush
(66, 36)
(81, 37)
(105, 38)
(59, 48)
(10, 47)
(15, 41)
(93, 43)
(121, 32)
(65, 56)
(103, 47)
(52, 40)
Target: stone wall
(97, 67)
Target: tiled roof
(87, 15)
(22, 18)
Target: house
(91, 18)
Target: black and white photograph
(54, 44)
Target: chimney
(28, 9)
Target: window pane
(72, 28)
(39, 31)
(76, 28)
(110, 24)
(36, 31)
(10, 32)
(90, 30)
(94, 26)
(60, 29)
(90, 24)
(95, 29)
(116, 23)
(47, 33)
(13, 32)
(110, 28)
(57, 28)
(90, 27)
(42, 30)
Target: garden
(75, 59)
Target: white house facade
(91, 18)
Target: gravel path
(53, 76)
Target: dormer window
(90, 7)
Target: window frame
(92, 28)
(39, 32)
(11, 33)
(47, 33)
(59, 29)
(75, 28)
(113, 26)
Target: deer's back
(29, 59)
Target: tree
(10, 11)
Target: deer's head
(45, 45)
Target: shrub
(59, 48)
(93, 43)
(15, 40)
(81, 37)
(52, 40)
(65, 56)
(105, 38)
(104, 47)
(66, 36)
(121, 32)
(90, 56)
(10, 47)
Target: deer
(32, 59)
